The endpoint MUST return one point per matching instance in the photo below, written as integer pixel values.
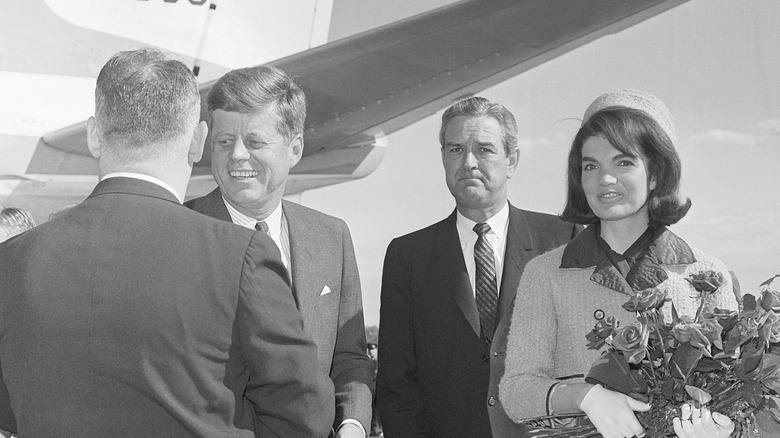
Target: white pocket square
(325, 291)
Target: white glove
(701, 423)
(613, 413)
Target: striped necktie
(486, 293)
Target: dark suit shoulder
(422, 244)
(542, 231)
(206, 226)
(198, 218)
(315, 219)
(295, 208)
(208, 204)
(426, 234)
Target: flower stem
(663, 350)
(701, 307)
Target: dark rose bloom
(601, 331)
(612, 370)
(644, 300)
(706, 281)
(632, 341)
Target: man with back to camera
(256, 116)
(444, 320)
(130, 315)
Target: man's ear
(93, 139)
(296, 149)
(512, 159)
(198, 141)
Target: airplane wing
(361, 88)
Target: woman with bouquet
(623, 182)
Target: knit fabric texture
(555, 309)
(639, 100)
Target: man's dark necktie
(261, 226)
(486, 290)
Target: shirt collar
(274, 220)
(146, 178)
(498, 222)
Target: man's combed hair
(250, 90)
(144, 98)
(478, 107)
(634, 133)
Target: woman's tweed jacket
(562, 290)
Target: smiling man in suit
(129, 315)
(256, 117)
(448, 289)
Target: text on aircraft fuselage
(192, 2)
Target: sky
(716, 64)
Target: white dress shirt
(278, 229)
(499, 224)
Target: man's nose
(239, 151)
(469, 161)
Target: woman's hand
(613, 413)
(701, 423)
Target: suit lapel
(519, 246)
(302, 261)
(449, 265)
(214, 205)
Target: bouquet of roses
(728, 361)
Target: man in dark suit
(448, 289)
(130, 315)
(256, 118)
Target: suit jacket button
(492, 401)
(485, 358)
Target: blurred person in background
(14, 221)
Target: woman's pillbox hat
(635, 99)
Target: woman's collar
(666, 249)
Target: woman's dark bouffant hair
(635, 133)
